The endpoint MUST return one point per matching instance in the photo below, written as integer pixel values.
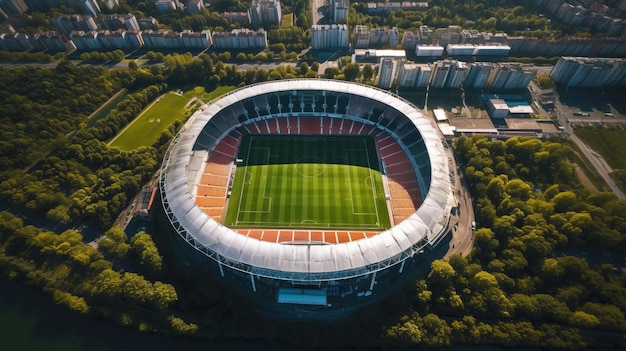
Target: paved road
(563, 114)
(462, 240)
(599, 164)
(317, 10)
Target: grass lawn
(106, 108)
(158, 116)
(590, 174)
(611, 144)
(308, 182)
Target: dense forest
(53, 164)
(543, 272)
(57, 165)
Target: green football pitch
(319, 182)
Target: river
(29, 320)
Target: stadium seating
(401, 147)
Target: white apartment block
(339, 10)
(265, 13)
(240, 39)
(329, 36)
(388, 71)
(361, 37)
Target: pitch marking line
(264, 187)
(352, 197)
(369, 167)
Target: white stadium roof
(313, 261)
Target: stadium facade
(308, 278)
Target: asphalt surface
(462, 240)
(595, 110)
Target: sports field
(307, 182)
(145, 129)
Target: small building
(509, 107)
(497, 108)
(374, 56)
(428, 51)
(440, 115)
(460, 49)
(492, 50)
(447, 130)
(469, 126)
(519, 127)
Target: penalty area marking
(267, 205)
(351, 199)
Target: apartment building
(329, 36)
(265, 13)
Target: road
(563, 114)
(462, 240)
(317, 10)
(599, 164)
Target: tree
(304, 68)
(526, 306)
(136, 288)
(351, 71)
(59, 214)
(9, 224)
(75, 303)
(545, 81)
(552, 309)
(164, 295)
(180, 327)
(437, 330)
(113, 243)
(224, 56)
(485, 242)
(108, 284)
(368, 72)
(331, 72)
(495, 190)
(261, 57)
(487, 298)
(146, 250)
(610, 316)
(441, 274)
(315, 67)
(406, 332)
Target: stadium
(311, 196)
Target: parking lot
(590, 108)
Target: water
(29, 320)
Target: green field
(158, 116)
(104, 109)
(611, 144)
(307, 182)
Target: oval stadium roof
(307, 262)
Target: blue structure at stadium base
(309, 280)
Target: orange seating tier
(402, 183)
